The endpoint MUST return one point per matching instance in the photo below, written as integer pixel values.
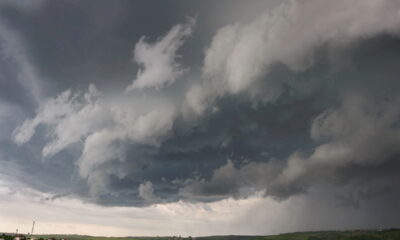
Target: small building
(19, 237)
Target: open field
(389, 234)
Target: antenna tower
(33, 225)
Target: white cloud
(360, 133)
(240, 54)
(50, 113)
(146, 191)
(104, 127)
(157, 61)
(88, 115)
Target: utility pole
(33, 225)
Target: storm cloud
(299, 101)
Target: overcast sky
(197, 118)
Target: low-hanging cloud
(271, 111)
(348, 139)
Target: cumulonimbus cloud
(123, 138)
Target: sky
(128, 118)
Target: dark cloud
(277, 105)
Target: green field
(389, 234)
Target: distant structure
(33, 225)
(19, 237)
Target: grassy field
(389, 234)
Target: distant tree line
(7, 237)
